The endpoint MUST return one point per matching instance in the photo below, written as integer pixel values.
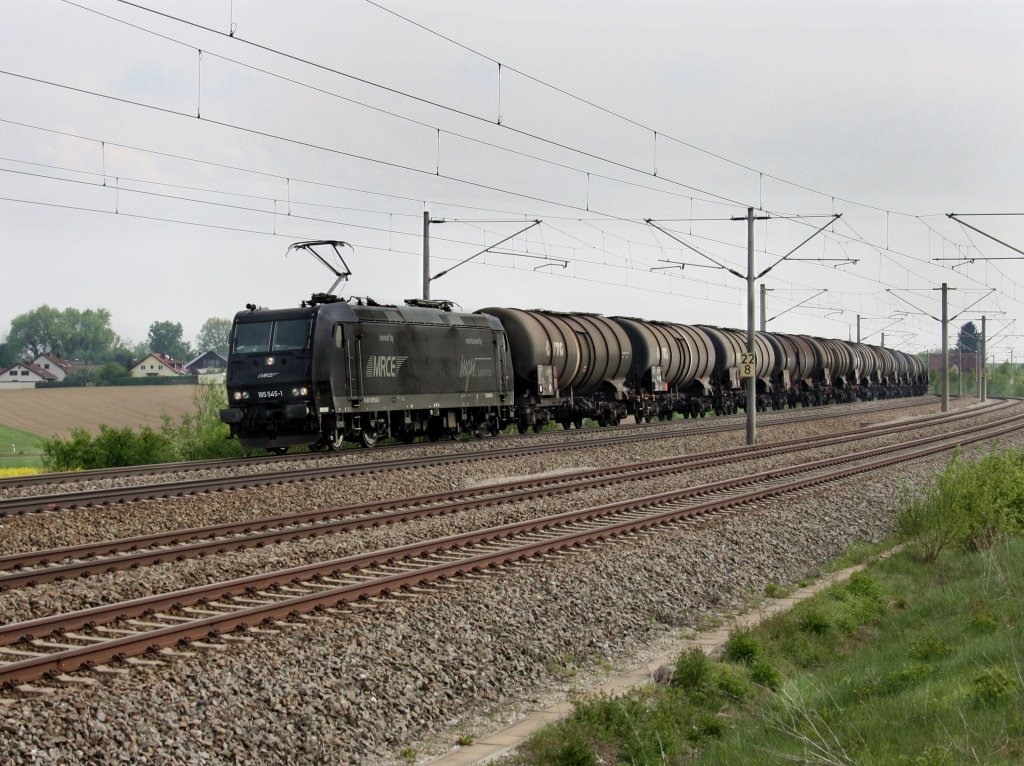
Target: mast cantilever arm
(486, 249)
(817, 231)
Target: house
(59, 367)
(967, 361)
(24, 375)
(158, 365)
(208, 361)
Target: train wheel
(538, 427)
(277, 450)
(335, 440)
(578, 422)
(368, 438)
(522, 427)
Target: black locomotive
(335, 370)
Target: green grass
(24, 446)
(909, 663)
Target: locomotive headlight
(245, 394)
(237, 396)
(270, 361)
(300, 391)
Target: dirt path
(58, 410)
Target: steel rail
(241, 535)
(70, 659)
(219, 463)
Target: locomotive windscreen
(261, 337)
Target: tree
(166, 338)
(967, 341)
(214, 335)
(86, 334)
(36, 332)
(7, 355)
(110, 373)
(71, 333)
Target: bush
(694, 670)
(110, 373)
(111, 447)
(742, 647)
(763, 674)
(201, 435)
(969, 505)
(195, 437)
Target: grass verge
(19, 449)
(917, 660)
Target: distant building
(208, 361)
(25, 375)
(965, 361)
(158, 365)
(54, 364)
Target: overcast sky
(891, 113)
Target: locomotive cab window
(291, 334)
(252, 337)
(262, 337)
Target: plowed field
(58, 410)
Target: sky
(159, 158)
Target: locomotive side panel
(415, 359)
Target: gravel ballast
(361, 686)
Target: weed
(465, 740)
(929, 648)
(771, 590)
(742, 647)
(982, 619)
(408, 755)
(708, 726)
(576, 752)
(814, 621)
(764, 674)
(906, 677)
(993, 685)
(732, 684)
(694, 671)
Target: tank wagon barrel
(672, 364)
(567, 366)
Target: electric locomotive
(331, 371)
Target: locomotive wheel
(335, 439)
(522, 427)
(537, 427)
(368, 438)
(277, 450)
(578, 422)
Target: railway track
(31, 568)
(52, 646)
(102, 496)
(721, 423)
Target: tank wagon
(334, 370)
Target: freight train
(335, 370)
